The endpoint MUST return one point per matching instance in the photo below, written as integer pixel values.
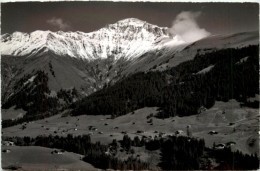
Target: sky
(207, 18)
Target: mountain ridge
(128, 38)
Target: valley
(129, 96)
(230, 122)
(235, 124)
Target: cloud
(185, 26)
(59, 23)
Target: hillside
(181, 90)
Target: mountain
(87, 62)
(128, 38)
(170, 55)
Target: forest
(177, 152)
(34, 98)
(181, 90)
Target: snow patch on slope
(205, 70)
(29, 80)
(242, 60)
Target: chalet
(213, 132)
(220, 146)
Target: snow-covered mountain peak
(128, 38)
(135, 22)
(136, 25)
(132, 21)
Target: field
(40, 158)
(228, 121)
(12, 113)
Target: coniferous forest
(177, 153)
(37, 101)
(181, 90)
